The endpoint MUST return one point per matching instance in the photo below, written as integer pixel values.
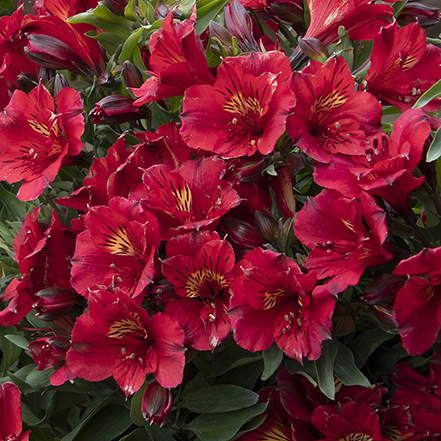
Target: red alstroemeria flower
(10, 414)
(190, 197)
(349, 421)
(403, 67)
(420, 396)
(200, 267)
(121, 170)
(246, 109)
(117, 338)
(116, 250)
(273, 301)
(43, 254)
(341, 247)
(50, 352)
(36, 141)
(12, 43)
(418, 303)
(362, 19)
(177, 59)
(385, 168)
(329, 117)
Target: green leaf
(39, 379)
(130, 50)
(366, 343)
(429, 95)
(345, 369)
(95, 406)
(272, 358)
(18, 340)
(307, 369)
(28, 416)
(158, 434)
(434, 151)
(223, 426)
(110, 40)
(206, 11)
(10, 351)
(103, 18)
(325, 368)
(106, 425)
(160, 116)
(17, 209)
(136, 435)
(135, 406)
(219, 399)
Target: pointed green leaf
(10, 351)
(18, 340)
(429, 95)
(434, 151)
(207, 11)
(345, 369)
(158, 434)
(218, 399)
(223, 426)
(325, 368)
(272, 358)
(17, 209)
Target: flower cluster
(230, 226)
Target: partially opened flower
(117, 338)
(417, 303)
(246, 109)
(10, 414)
(37, 139)
(177, 60)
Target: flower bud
(117, 109)
(383, 289)
(156, 403)
(296, 162)
(55, 303)
(343, 318)
(226, 45)
(425, 15)
(268, 226)
(56, 84)
(290, 11)
(238, 21)
(49, 352)
(52, 53)
(116, 6)
(132, 75)
(106, 79)
(242, 233)
(161, 11)
(314, 49)
(26, 82)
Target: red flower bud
(383, 289)
(425, 15)
(314, 49)
(156, 403)
(55, 303)
(49, 352)
(290, 11)
(238, 21)
(117, 109)
(132, 75)
(242, 233)
(116, 6)
(50, 52)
